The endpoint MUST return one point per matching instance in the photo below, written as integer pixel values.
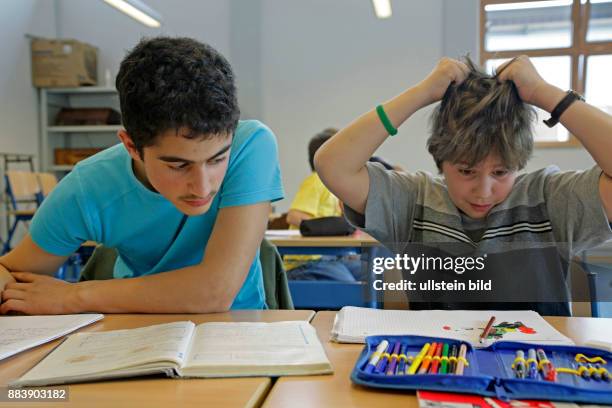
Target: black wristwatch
(556, 113)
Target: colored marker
(594, 372)
(519, 364)
(532, 364)
(384, 359)
(584, 371)
(605, 375)
(487, 330)
(548, 370)
(444, 364)
(427, 359)
(417, 361)
(394, 358)
(461, 360)
(436, 360)
(452, 360)
(382, 346)
(402, 360)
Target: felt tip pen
(427, 359)
(401, 367)
(417, 361)
(532, 364)
(382, 346)
(519, 364)
(444, 359)
(394, 358)
(436, 360)
(548, 370)
(452, 360)
(384, 360)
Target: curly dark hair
(172, 83)
(317, 141)
(480, 116)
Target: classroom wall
(18, 99)
(326, 62)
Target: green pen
(444, 359)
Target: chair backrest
(21, 185)
(47, 182)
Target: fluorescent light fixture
(528, 5)
(600, 1)
(382, 8)
(138, 11)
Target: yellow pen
(417, 361)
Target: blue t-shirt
(101, 200)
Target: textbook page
(353, 324)
(19, 333)
(90, 356)
(249, 349)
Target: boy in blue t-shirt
(184, 198)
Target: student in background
(481, 138)
(314, 200)
(184, 198)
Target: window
(568, 41)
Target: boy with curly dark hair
(184, 198)
(528, 225)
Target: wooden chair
(23, 192)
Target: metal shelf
(82, 129)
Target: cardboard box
(63, 63)
(73, 156)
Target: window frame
(579, 51)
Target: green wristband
(385, 120)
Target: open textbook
(19, 333)
(183, 349)
(354, 324)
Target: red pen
(436, 360)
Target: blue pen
(384, 359)
(375, 357)
(402, 363)
(532, 364)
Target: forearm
(590, 125)
(349, 150)
(295, 217)
(186, 290)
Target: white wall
(114, 33)
(326, 62)
(18, 99)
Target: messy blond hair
(480, 116)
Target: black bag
(326, 226)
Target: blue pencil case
(581, 375)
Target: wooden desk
(356, 240)
(337, 390)
(156, 391)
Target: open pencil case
(489, 371)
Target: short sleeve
(308, 196)
(575, 209)
(253, 173)
(390, 205)
(61, 223)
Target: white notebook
(354, 324)
(182, 349)
(19, 333)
